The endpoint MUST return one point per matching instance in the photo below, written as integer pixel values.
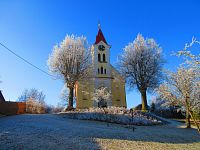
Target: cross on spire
(99, 25)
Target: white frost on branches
(190, 58)
(69, 59)
(181, 86)
(102, 96)
(141, 63)
(34, 106)
(117, 115)
(32, 94)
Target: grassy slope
(55, 132)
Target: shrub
(35, 107)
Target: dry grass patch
(115, 144)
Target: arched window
(98, 70)
(99, 57)
(104, 71)
(104, 58)
(101, 70)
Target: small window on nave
(104, 71)
(98, 71)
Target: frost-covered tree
(33, 94)
(34, 106)
(35, 100)
(182, 88)
(70, 61)
(141, 63)
(102, 96)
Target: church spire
(100, 36)
(99, 25)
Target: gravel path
(54, 132)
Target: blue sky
(31, 29)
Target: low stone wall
(12, 108)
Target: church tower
(101, 55)
(101, 62)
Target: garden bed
(114, 115)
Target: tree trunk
(188, 125)
(71, 96)
(144, 100)
(195, 121)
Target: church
(103, 74)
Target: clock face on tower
(101, 47)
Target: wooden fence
(12, 108)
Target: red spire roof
(100, 37)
